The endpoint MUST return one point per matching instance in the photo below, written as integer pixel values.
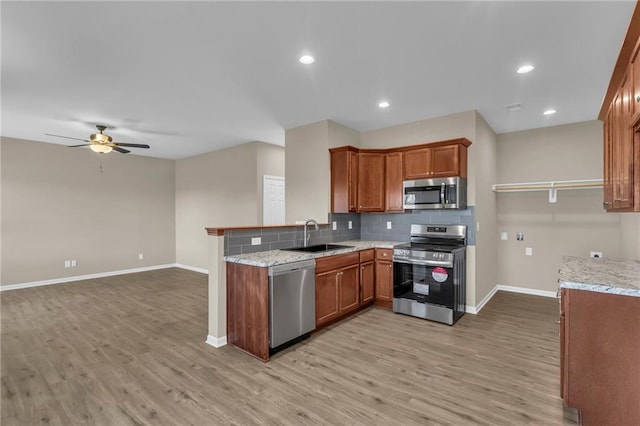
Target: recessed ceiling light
(514, 107)
(383, 104)
(306, 59)
(549, 112)
(525, 69)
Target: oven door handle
(424, 262)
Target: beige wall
(60, 204)
(269, 161)
(482, 174)
(308, 163)
(575, 225)
(220, 188)
(452, 126)
(630, 236)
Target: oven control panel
(422, 256)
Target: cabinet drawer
(330, 263)
(366, 255)
(384, 254)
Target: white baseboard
(216, 342)
(532, 291)
(85, 277)
(523, 290)
(192, 268)
(475, 309)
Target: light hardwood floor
(129, 350)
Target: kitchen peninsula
(351, 277)
(600, 339)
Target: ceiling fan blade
(67, 137)
(75, 146)
(132, 145)
(120, 150)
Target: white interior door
(272, 200)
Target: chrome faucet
(306, 236)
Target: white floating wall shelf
(551, 186)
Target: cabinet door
(349, 289)
(622, 148)
(353, 181)
(326, 297)
(371, 171)
(367, 282)
(635, 72)
(417, 164)
(344, 166)
(608, 162)
(394, 182)
(384, 283)
(444, 161)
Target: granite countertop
(279, 257)
(601, 275)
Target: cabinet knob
(637, 98)
(390, 266)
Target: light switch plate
(256, 241)
(528, 251)
(350, 224)
(504, 236)
(334, 225)
(388, 225)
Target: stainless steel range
(429, 273)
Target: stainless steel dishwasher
(292, 303)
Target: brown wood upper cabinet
(439, 161)
(620, 113)
(344, 179)
(370, 180)
(393, 182)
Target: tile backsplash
(374, 226)
(239, 241)
(366, 226)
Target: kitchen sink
(318, 248)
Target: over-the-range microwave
(437, 193)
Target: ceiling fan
(103, 143)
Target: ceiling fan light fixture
(100, 149)
(101, 138)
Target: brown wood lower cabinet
(337, 286)
(384, 278)
(367, 276)
(248, 309)
(600, 356)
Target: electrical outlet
(140, 256)
(350, 225)
(596, 254)
(334, 225)
(74, 263)
(528, 251)
(256, 241)
(388, 225)
(477, 226)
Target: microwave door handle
(442, 192)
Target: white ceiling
(189, 78)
